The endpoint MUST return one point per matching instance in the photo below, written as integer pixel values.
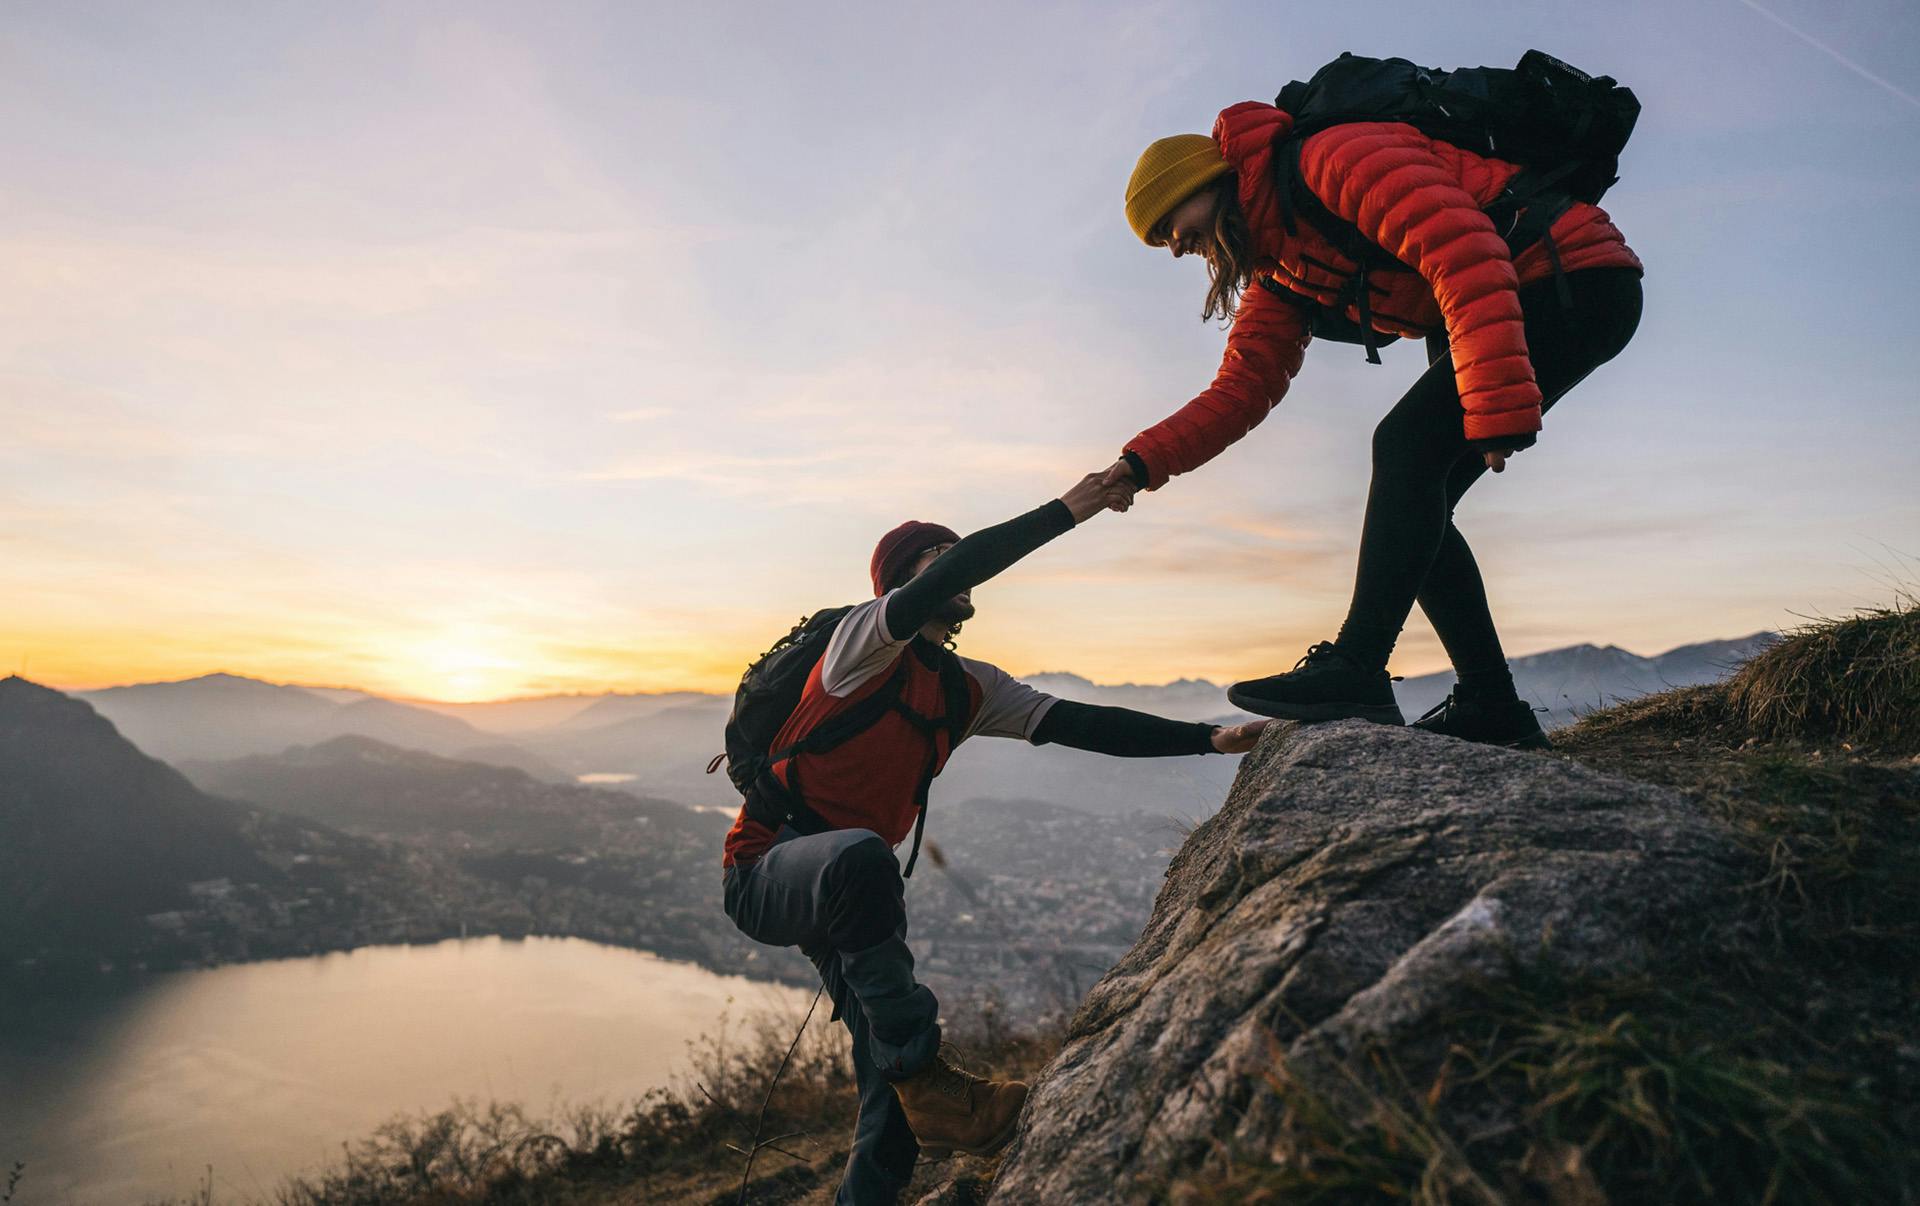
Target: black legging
(1423, 463)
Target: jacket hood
(1246, 133)
(1248, 128)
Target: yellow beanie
(1170, 171)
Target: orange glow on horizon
(470, 663)
(446, 670)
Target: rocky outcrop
(1358, 883)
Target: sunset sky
(473, 350)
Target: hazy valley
(223, 818)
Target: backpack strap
(773, 803)
(1523, 214)
(837, 731)
(1528, 207)
(1297, 198)
(956, 703)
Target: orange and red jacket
(1419, 199)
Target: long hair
(1230, 264)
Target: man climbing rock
(810, 861)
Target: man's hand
(1087, 498)
(1238, 738)
(1118, 479)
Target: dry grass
(686, 1143)
(1579, 1091)
(1855, 681)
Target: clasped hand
(1110, 489)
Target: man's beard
(955, 611)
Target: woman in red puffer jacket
(1508, 337)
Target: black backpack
(770, 690)
(1563, 127)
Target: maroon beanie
(898, 548)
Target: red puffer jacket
(1418, 198)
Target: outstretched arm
(985, 553)
(1264, 351)
(1125, 733)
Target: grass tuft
(1854, 680)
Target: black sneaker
(1324, 685)
(1511, 724)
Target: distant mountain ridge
(368, 787)
(659, 744)
(221, 716)
(1577, 679)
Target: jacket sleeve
(1264, 351)
(1385, 178)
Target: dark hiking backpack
(1563, 127)
(769, 692)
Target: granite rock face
(1357, 882)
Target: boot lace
(1438, 710)
(950, 1078)
(1318, 652)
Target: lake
(261, 1070)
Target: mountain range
(658, 745)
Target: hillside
(108, 856)
(93, 835)
(370, 787)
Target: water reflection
(262, 1069)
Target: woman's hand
(1496, 457)
(1238, 738)
(1120, 485)
(1088, 497)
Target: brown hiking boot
(951, 1109)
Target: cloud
(734, 474)
(1199, 562)
(916, 461)
(48, 415)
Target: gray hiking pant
(838, 896)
